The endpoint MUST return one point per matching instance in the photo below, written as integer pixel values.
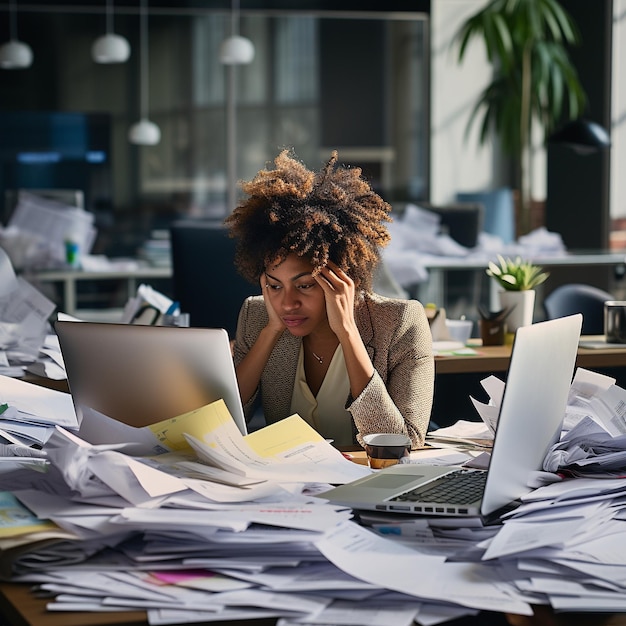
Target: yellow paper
(197, 423)
(290, 433)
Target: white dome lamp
(110, 48)
(236, 50)
(15, 54)
(144, 132)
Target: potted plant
(534, 81)
(517, 279)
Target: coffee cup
(385, 449)
(615, 321)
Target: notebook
(141, 375)
(531, 414)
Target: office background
(381, 84)
(357, 82)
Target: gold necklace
(319, 359)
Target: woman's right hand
(275, 322)
(250, 368)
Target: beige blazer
(399, 396)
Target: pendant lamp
(144, 132)
(110, 48)
(236, 50)
(15, 54)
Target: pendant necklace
(320, 360)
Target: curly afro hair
(332, 215)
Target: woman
(318, 341)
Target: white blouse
(325, 412)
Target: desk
(496, 359)
(434, 289)
(458, 377)
(70, 278)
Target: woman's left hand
(339, 293)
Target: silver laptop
(530, 418)
(140, 375)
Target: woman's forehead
(292, 264)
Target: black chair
(579, 298)
(204, 279)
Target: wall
(618, 112)
(457, 163)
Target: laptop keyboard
(458, 487)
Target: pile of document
(37, 231)
(224, 526)
(29, 414)
(593, 442)
(24, 326)
(417, 241)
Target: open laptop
(140, 375)
(529, 423)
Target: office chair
(579, 298)
(204, 279)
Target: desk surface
(140, 271)
(571, 258)
(496, 359)
(70, 278)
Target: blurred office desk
(496, 359)
(128, 274)
(434, 289)
(458, 377)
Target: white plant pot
(523, 303)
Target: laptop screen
(141, 375)
(533, 407)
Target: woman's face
(295, 295)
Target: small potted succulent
(517, 279)
(516, 274)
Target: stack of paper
(594, 439)
(227, 526)
(38, 229)
(29, 413)
(24, 314)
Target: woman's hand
(275, 323)
(339, 293)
